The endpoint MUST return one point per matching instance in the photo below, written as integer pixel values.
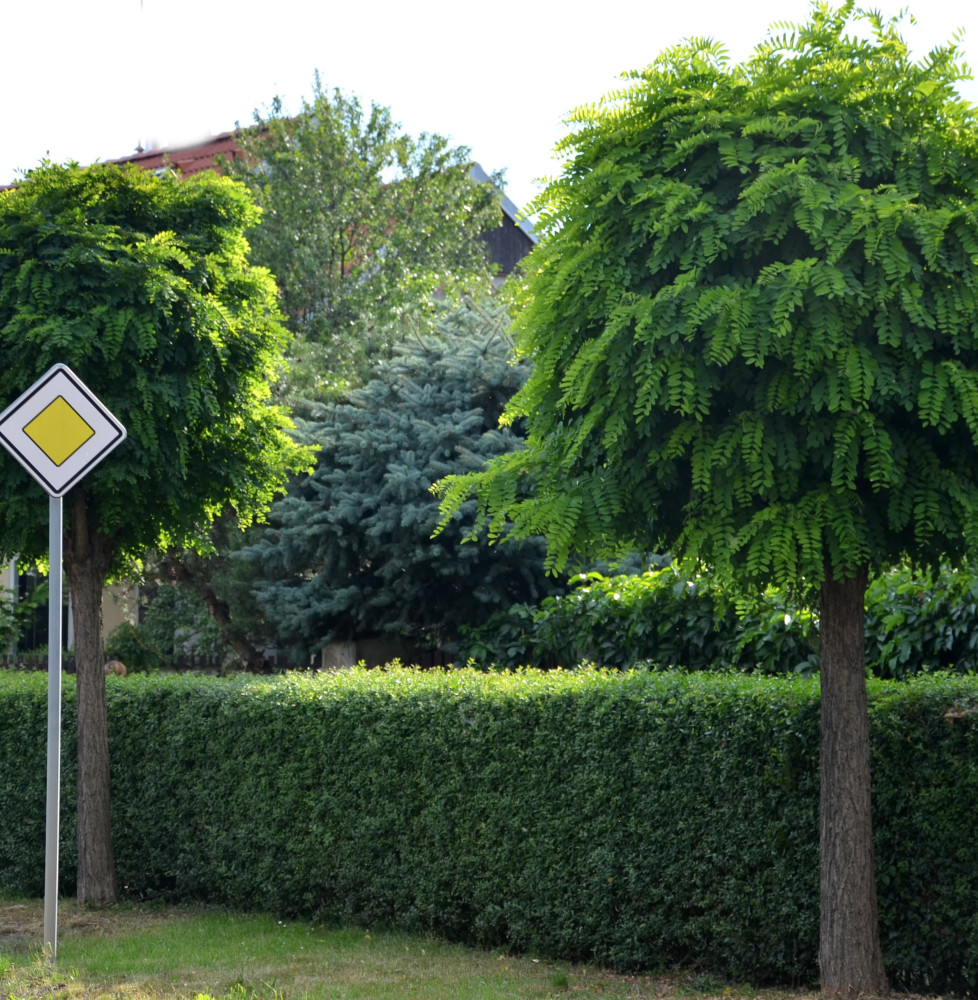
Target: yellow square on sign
(58, 430)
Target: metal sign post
(53, 823)
(58, 431)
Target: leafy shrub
(631, 818)
(914, 624)
(660, 619)
(175, 621)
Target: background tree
(174, 624)
(180, 587)
(349, 551)
(362, 226)
(754, 323)
(142, 286)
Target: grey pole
(54, 733)
(12, 570)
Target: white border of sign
(60, 380)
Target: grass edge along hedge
(636, 820)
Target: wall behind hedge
(636, 820)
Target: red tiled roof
(186, 159)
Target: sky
(86, 80)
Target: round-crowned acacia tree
(141, 285)
(754, 324)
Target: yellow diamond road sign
(58, 430)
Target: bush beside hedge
(632, 819)
(664, 620)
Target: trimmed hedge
(633, 819)
(23, 781)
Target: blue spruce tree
(349, 553)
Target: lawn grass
(155, 952)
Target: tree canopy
(362, 225)
(753, 314)
(142, 286)
(753, 319)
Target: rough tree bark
(850, 956)
(87, 557)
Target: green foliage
(920, 796)
(142, 286)
(915, 623)
(16, 613)
(918, 622)
(632, 819)
(221, 583)
(752, 315)
(23, 781)
(362, 225)
(174, 621)
(661, 619)
(349, 550)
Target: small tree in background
(362, 226)
(753, 319)
(174, 624)
(349, 551)
(200, 603)
(141, 285)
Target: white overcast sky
(90, 79)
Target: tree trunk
(850, 957)
(253, 659)
(87, 555)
